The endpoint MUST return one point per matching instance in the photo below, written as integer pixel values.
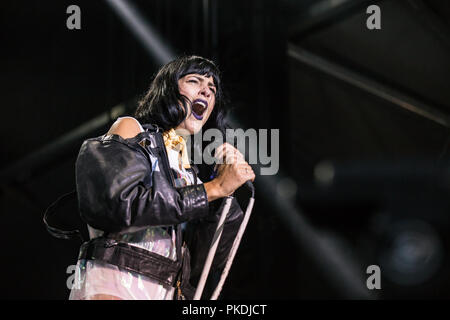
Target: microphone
(251, 187)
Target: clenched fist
(233, 171)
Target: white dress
(96, 277)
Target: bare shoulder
(126, 127)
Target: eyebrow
(202, 79)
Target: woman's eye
(193, 81)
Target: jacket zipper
(165, 159)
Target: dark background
(373, 103)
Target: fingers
(247, 172)
(233, 170)
(226, 153)
(232, 176)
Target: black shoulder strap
(150, 127)
(51, 210)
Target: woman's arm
(120, 185)
(129, 128)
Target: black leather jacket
(124, 183)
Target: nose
(206, 91)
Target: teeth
(201, 103)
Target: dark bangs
(200, 66)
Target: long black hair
(161, 104)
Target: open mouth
(199, 107)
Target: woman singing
(150, 218)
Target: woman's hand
(232, 173)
